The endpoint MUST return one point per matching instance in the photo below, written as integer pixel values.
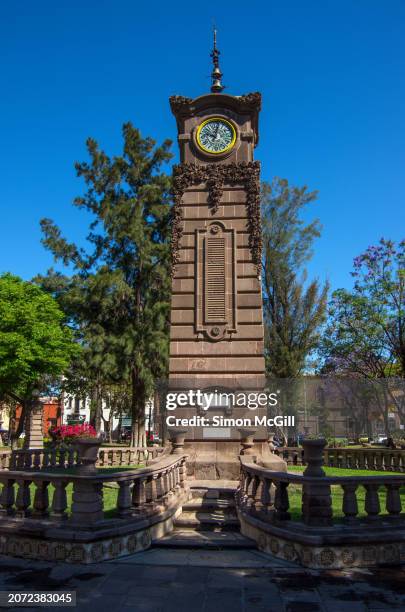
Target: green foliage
(294, 310)
(365, 334)
(337, 442)
(118, 296)
(35, 343)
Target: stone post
(87, 449)
(247, 435)
(316, 496)
(177, 437)
(87, 498)
(34, 424)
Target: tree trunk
(138, 434)
(96, 409)
(16, 433)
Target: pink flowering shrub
(70, 433)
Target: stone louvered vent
(215, 280)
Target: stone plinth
(33, 427)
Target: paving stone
(302, 606)
(353, 606)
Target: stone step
(213, 489)
(198, 519)
(206, 503)
(215, 539)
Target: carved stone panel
(215, 281)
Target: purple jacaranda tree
(365, 333)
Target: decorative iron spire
(216, 74)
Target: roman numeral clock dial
(216, 135)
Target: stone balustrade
(379, 459)
(35, 503)
(310, 532)
(44, 458)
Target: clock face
(216, 135)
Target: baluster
(124, 502)
(23, 499)
(159, 486)
(167, 481)
(139, 492)
(183, 473)
(281, 502)
(248, 480)
(61, 458)
(255, 490)
(266, 496)
(350, 507)
(70, 457)
(396, 462)
(345, 459)
(36, 463)
(153, 488)
(27, 459)
(361, 460)
(372, 503)
(250, 491)
(388, 460)
(59, 500)
(171, 478)
(19, 459)
(7, 498)
(41, 499)
(148, 489)
(45, 461)
(53, 458)
(258, 494)
(378, 461)
(393, 499)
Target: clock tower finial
(216, 73)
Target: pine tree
(294, 310)
(118, 296)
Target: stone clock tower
(216, 339)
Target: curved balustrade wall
(36, 504)
(351, 458)
(314, 533)
(68, 458)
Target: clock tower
(216, 339)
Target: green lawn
(294, 491)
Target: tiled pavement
(194, 581)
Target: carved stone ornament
(178, 103)
(215, 176)
(252, 100)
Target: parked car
(381, 439)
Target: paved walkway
(208, 581)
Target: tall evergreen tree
(118, 296)
(294, 310)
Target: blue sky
(331, 74)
